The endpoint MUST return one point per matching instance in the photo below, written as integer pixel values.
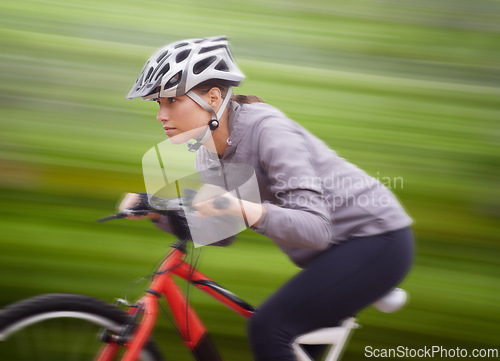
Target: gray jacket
(313, 197)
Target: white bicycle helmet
(177, 68)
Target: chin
(185, 136)
(178, 139)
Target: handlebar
(164, 206)
(125, 214)
(154, 204)
(173, 209)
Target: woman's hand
(205, 202)
(129, 202)
(207, 197)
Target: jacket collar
(236, 130)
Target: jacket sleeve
(299, 216)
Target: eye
(171, 100)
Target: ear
(214, 97)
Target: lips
(169, 130)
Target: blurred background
(403, 89)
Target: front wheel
(60, 327)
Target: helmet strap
(202, 103)
(198, 142)
(213, 124)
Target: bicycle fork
(134, 334)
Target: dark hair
(223, 86)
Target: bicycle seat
(392, 301)
(337, 336)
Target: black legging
(337, 284)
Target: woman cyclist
(345, 229)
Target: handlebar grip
(221, 203)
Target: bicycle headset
(175, 69)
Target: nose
(162, 114)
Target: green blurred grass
(402, 89)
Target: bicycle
(63, 319)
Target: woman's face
(182, 118)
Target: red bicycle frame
(191, 328)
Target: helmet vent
(222, 66)
(210, 48)
(180, 45)
(163, 71)
(162, 56)
(140, 81)
(182, 55)
(202, 65)
(173, 81)
(149, 73)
